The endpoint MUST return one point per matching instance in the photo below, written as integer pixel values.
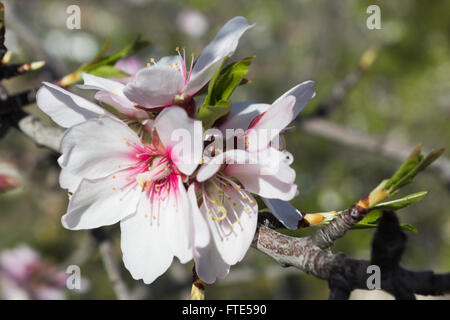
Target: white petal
(68, 180)
(223, 45)
(100, 147)
(209, 265)
(178, 217)
(242, 114)
(144, 245)
(65, 108)
(232, 242)
(303, 92)
(200, 232)
(269, 176)
(155, 86)
(210, 168)
(94, 82)
(182, 137)
(285, 212)
(270, 124)
(101, 202)
(121, 104)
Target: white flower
(171, 82)
(138, 184)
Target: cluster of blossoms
(155, 168)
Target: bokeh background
(404, 97)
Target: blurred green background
(404, 97)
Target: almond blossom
(251, 116)
(226, 183)
(139, 184)
(171, 81)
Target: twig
(111, 265)
(355, 139)
(345, 274)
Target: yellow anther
(223, 216)
(229, 198)
(114, 177)
(234, 204)
(152, 60)
(238, 221)
(148, 64)
(238, 187)
(247, 209)
(114, 189)
(177, 49)
(251, 201)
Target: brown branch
(345, 274)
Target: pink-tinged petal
(242, 114)
(210, 168)
(15, 262)
(102, 202)
(144, 244)
(155, 86)
(284, 212)
(209, 265)
(178, 228)
(233, 235)
(129, 65)
(111, 92)
(302, 92)
(269, 176)
(200, 232)
(269, 125)
(100, 147)
(223, 45)
(182, 137)
(121, 104)
(65, 108)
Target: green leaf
(405, 227)
(102, 51)
(107, 72)
(405, 169)
(221, 86)
(209, 114)
(111, 59)
(103, 66)
(212, 83)
(371, 217)
(229, 79)
(409, 228)
(415, 163)
(402, 202)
